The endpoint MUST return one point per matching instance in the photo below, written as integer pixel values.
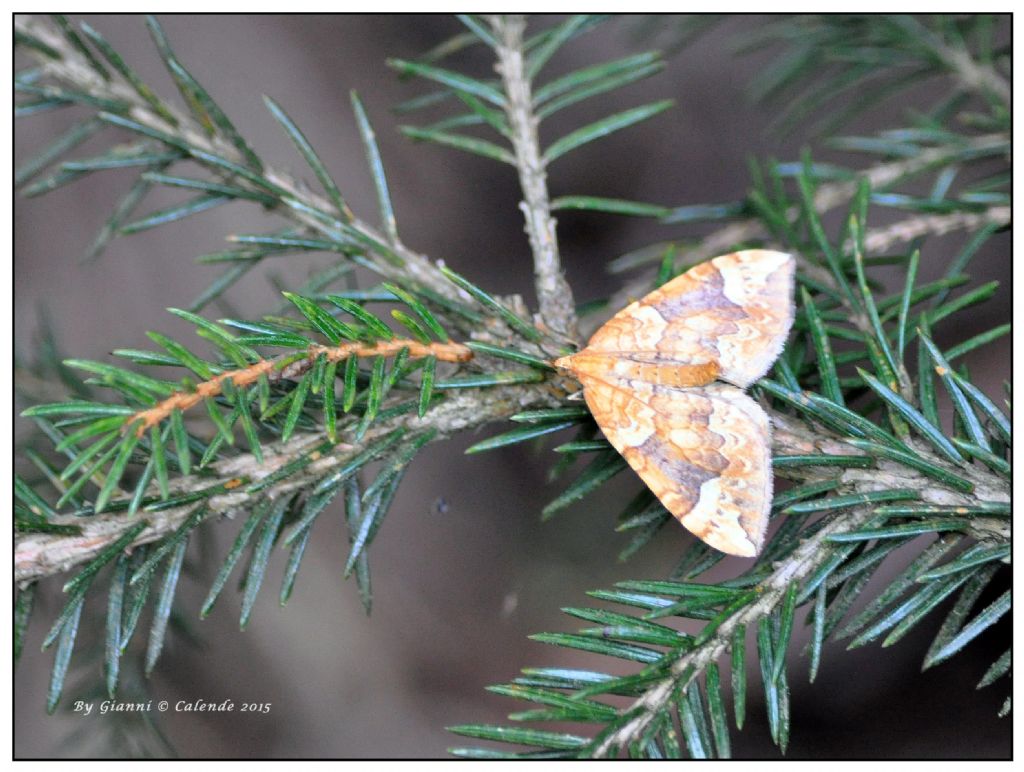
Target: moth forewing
(649, 378)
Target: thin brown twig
(37, 555)
(287, 366)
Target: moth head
(564, 363)
(566, 366)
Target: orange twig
(275, 370)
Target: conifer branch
(38, 555)
(554, 295)
(835, 194)
(292, 200)
(874, 465)
(797, 567)
(879, 240)
(811, 554)
(968, 71)
(287, 366)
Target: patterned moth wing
(649, 378)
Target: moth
(664, 380)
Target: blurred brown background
(463, 570)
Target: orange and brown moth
(664, 378)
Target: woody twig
(554, 296)
(288, 366)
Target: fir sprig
(874, 487)
(328, 385)
(140, 457)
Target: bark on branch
(40, 555)
(554, 295)
(795, 437)
(832, 195)
(37, 555)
